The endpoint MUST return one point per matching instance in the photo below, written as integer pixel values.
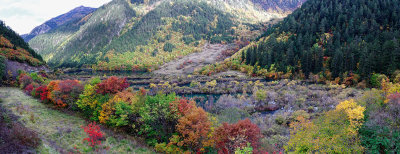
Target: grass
(61, 132)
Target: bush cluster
(168, 122)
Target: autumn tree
(334, 132)
(193, 128)
(229, 137)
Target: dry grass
(61, 132)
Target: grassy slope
(60, 132)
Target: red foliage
(29, 88)
(181, 106)
(24, 80)
(112, 85)
(64, 93)
(94, 133)
(193, 128)
(42, 92)
(228, 137)
(70, 86)
(395, 97)
(142, 92)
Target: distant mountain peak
(74, 14)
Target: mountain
(14, 48)
(333, 39)
(142, 35)
(75, 14)
(279, 6)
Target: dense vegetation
(12, 41)
(170, 123)
(333, 39)
(134, 33)
(79, 41)
(182, 24)
(369, 124)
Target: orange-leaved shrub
(112, 85)
(193, 129)
(64, 93)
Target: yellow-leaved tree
(333, 132)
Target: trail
(61, 132)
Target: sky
(24, 15)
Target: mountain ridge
(143, 31)
(74, 14)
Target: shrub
(2, 67)
(229, 137)
(168, 47)
(376, 80)
(261, 95)
(90, 101)
(245, 150)
(94, 133)
(333, 132)
(28, 89)
(120, 117)
(65, 93)
(24, 80)
(158, 121)
(181, 106)
(300, 113)
(380, 133)
(116, 111)
(112, 85)
(36, 78)
(25, 136)
(41, 92)
(232, 115)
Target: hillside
(279, 6)
(142, 35)
(14, 48)
(333, 39)
(75, 14)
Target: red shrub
(70, 86)
(94, 133)
(112, 85)
(64, 93)
(24, 80)
(29, 88)
(228, 137)
(42, 92)
(395, 97)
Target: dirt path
(61, 132)
(188, 64)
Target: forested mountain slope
(142, 35)
(75, 14)
(333, 38)
(13, 47)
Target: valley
(208, 76)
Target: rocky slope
(75, 14)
